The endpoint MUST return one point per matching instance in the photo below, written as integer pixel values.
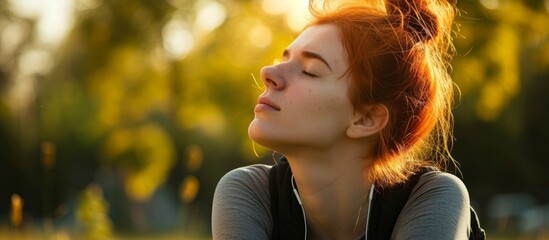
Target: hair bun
(415, 17)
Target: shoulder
(438, 207)
(253, 178)
(241, 204)
(252, 181)
(251, 172)
(441, 184)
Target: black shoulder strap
(387, 204)
(273, 190)
(477, 233)
(286, 212)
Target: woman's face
(305, 103)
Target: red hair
(398, 57)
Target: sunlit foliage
(495, 55)
(92, 214)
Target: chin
(257, 134)
(262, 136)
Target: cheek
(331, 97)
(325, 104)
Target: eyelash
(309, 74)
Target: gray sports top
(438, 207)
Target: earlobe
(371, 120)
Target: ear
(369, 120)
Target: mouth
(267, 102)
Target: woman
(360, 103)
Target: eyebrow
(307, 54)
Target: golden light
(490, 4)
(27, 8)
(491, 102)
(208, 118)
(56, 21)
(210, 15)
(140, 186)
(54, 18)
(11, 36)
(194, 161)
(119, 141)
(503, 83)
(189, 189)
(297, 13)
(177, 39)
(35, 61)
(260, 35)
(16, 209)
(252, 151)
(275, 6)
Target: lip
(267, 102)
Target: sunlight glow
(11, 36)
(299, 15)
(16, 210)
(27, 8)
(546, 3)
(210, 15)
(178, 41)
(55, 24)
(490, 4)
(297, 11)
(54, 17)
(275, 6)
(35, 61)
(259, 35)
(252, 150)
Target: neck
(334, 191)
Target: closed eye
(309, 74)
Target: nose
(272, 77)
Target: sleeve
(241, 205)
(438, 208)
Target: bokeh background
(118, 117)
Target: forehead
(324, 40)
